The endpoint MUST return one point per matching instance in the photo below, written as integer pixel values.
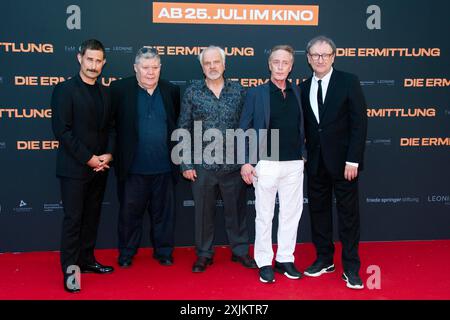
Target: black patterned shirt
(200, 104)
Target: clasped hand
(100, 163)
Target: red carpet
(409, 270)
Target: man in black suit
(146, 112)
(82, 123)
(336, 127)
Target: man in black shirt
(275, 106)
(82, 122)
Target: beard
(214, 75)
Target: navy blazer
(75, 125)
(341, 134)
(256, 115)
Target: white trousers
(286, 178)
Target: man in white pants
(275, 108)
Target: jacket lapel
(309, 111)
(132, 102)
(167, 101)
(296, 93)
(266, 103)
(331, 91)
(106, 106)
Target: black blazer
(256, 114)
(341, 134)
(75, 125)
(124, 95)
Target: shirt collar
(274, 88)
(226, 83)
(142, 90)
(325, 78)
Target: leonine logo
(439, 198)
(242, 14)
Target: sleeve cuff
(353, 164)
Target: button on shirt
(285, 117)
(200, 104)
(151, 153)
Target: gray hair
(221, 51)
(284, 47)
(318, 39)
(146, 53)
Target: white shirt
(313, 98)
(315, 88)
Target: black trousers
(154, 194)
(82, 201)
(320, 189)
(205, 190)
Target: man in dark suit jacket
(146, 112)
(276, 106)
(336, 126)
(83, 124)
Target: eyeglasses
(325, 56)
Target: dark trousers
(205, 190)
(154, 194)
(82, 201)
(320, 189)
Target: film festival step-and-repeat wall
(399, 50)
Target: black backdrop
(404, 190)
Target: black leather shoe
(164, 260)
(201, 264)
(96, 268)
(70, 285)
(245, 260)
(125, 262)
